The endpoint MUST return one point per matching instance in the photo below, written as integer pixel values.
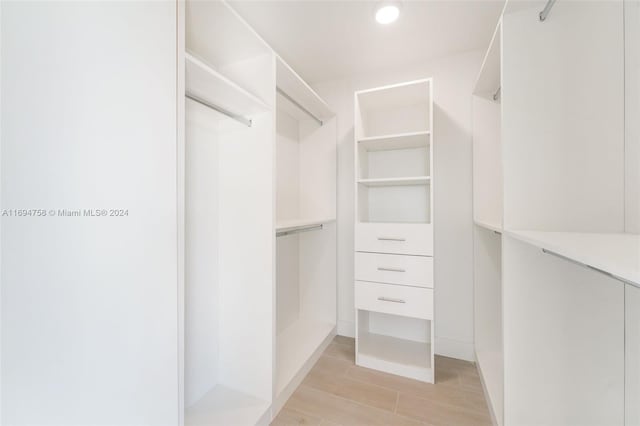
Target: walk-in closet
(355, 213)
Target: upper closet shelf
(215, 89)
(216, 33)
(416, 180)
(614, 254)
(488, 82)
(396, 141)
(296, 97)
(490, 226)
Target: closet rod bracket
(545, 12)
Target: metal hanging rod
(246, 121)
(496, 95)
(303, 109)
(299, 230)
(609, 274)
(545, 12)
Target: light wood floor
(337, 392)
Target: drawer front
(395, 269)
(397, 238)
(412, 302)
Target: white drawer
(395, 269)
(398, 238)
(395, 299)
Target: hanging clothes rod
(246, 121)
(545, 12)
(609, 274)
(303, 109)
(496, 95)
(299, 230)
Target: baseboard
(347, 328)
(455, 349)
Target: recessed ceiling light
(387, 13)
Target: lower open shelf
(224, 406)
(296, 345)
(394, 355)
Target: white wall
(453, 79)
(89, 304)
(632, 113)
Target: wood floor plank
(339, 350)
(332, 365)
(338, 393)
(343, 411)
(437, 414)
(344, 340)
(289, 417)
(364, 393)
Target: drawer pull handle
(391, 239)
(391, 269)
(390, 299)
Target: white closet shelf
(396, 141)
(617, 253)
(392, 354)
(393, 96)
(296, 344)
(488, 81)
(290, 82)
(211, 86)
(210, 21)
(402, 181)
(294, 224)
(224, 406)
(488, 225)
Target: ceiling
(330, 39)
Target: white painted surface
(239, 57)
(299, 32)
(632, 112)
(395, 269)
(488, 316)
(247, 294)
(393, 299)
(395, 238)
(574, 317)
(487, 162)
(225, 406)
(617, 254)
(305, 193)
(554, 128)
(489, 79)
(201, 251)
(296, 344)
(89, 304)
(455, 77)
(632, 355)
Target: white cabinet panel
(394, 269)
(632, 355)
(90, 304)
(398, 238)
(395, 299)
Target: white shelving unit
(305, 229)
(487, 214)
(260, 232)
(394, 224)
(554, 270)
